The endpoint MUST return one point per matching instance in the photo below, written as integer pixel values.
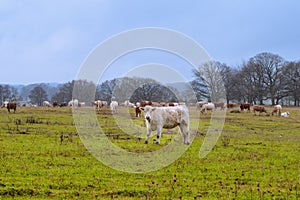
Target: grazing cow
(219, 105)
(207, 106)
(285, 114)
(163, 104)
(137, 111)
(63, 104)
(259, 109)
(158, 118)
(199, 104)
(113, 106)
(127, 104)
(277, 109)
(99, 104)
(245, 106)
(145, 103)
(81, 104)
(73, 103)
(131, 105)
(9, 106)
(104, 103)
(231, 105)
(171, 104)
(46, 104)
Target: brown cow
(259, 109)
(138, 111)
(219, 105)
(55, 104)
(231, 105)
(171, 104)
(10, 105)
(245, 106)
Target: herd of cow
(204, 106)
(164, 115)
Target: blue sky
(47, 41)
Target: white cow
(113, 107)
(285, 114)
(277, 109)
(158, 118)
(46, 104)
(81, 104)
(208, 106)
(127, 104)
(131, 105)
(73, 103)
(4, 104)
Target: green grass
(41, 157)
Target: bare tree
(210, 74)
(154, 92)
(65, 92)
(125, 87)
(232, 82)
(291, 81)
(253, 74)
(105, 90)
(84, 91)
(38, 95)
(269, 67)
(8, 93)
(200, 87)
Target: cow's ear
(153, 108)
(142, 108)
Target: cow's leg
(158, 135)
(185, 133)
(147, 135)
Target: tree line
(264, 78)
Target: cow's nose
(148, 118)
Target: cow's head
(148, 110)
(4, 104)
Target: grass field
(42, 156)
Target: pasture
(42, 156)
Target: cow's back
(174, 116)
